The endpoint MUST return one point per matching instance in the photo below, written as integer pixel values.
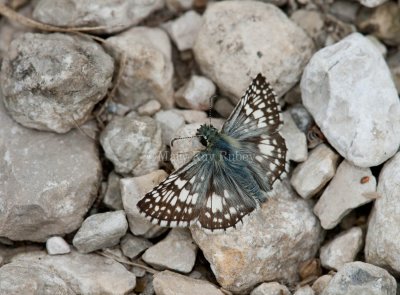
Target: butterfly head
(207, 133)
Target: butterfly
(231, 176)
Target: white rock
(372, 3)
(170, 283)
(310, 177)
(270, 289)
(148, 70)
(196, 93)
(132, 246)
(361, 278)
(378, 44)
(170, 122)
(348, 89)
(184, 29)
(176, 252)
(350, 188)
(112, 196)
(100, 231)
(115, 15)
(382, 244)
(132, 190)
(342, 249)
(149, 108)
(57, 245)
(247, 30)
(192, 116)
(306, 290)
(296, 141)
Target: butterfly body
(231, 176)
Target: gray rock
(192, 116)
(364, 128)
(382, 244)
(113, 14)
(48, 181)
(132, 190)
(184, 29)
(170, 121)
(296, 141)
(306, 290)
(224, 107)
(148, 70)
(246, 29)
(100, 231)
(320, 284)
(346, 11)
(301, 117)
(309, 177)
(170, 283)
(196, 93)
(394, 66)
(149, 108)
(37, 273)
(52, 81)
(342, 249)
(56, 246)
(350, 188)
(313, 23)
(270, 245)
(132, 143)
(179, 5)
(176, 252)
(112, 196)
(361, 278)
(270, 289)
(378, 44)
(132, 246)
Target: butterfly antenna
(209, 110)
(179, 138)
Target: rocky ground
(86, 120)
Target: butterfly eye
(203, 141)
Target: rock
(149, 108)
(184, 29)
(270, 245)
(306, 290)
(309, 177)
(350, 188)
(224, 107)
(132, 143)
(320, 284)
(310, 269)
(112, 197)
(56, 246)
(132, 246)
(270, 289)
(65, 75)
(361, 278)
(37, 273)
(100, 231)
(192, 116)
(382, 244)
(132, 190)
(346, 11)
(170, 121)
(372, 3)
(378, 44)
(246, 29)
(170, 283)
(114, 15)
(394, 65)
(296, 141)
(176, 252)
(313, 23)
(364, 128)
(196, 94)
(148, 69)
(342, 249)
(301, 117)
(179, 5)
(48, 181)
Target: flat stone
(306, 290)
(309, 177)
(100, 231)
(184, 29)
(270, 289)
(176, 252)
(170, 283)
(56, 246)
(112, 196)
(361, 278)
(170, 122)
(75, 273)
(64, 75)
(132, 246)
(48, 182)
(246, 30)
(296, 141)
(132, 143)
(342, 249)
(132, 190)
(364, 128)
(270, 246)
(382, 244)
(114, 15)
(149, 108)
(350, 188)
(148, 69)
(196, 93)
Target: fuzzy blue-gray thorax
(208, 134)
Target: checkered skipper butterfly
(229, 178)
